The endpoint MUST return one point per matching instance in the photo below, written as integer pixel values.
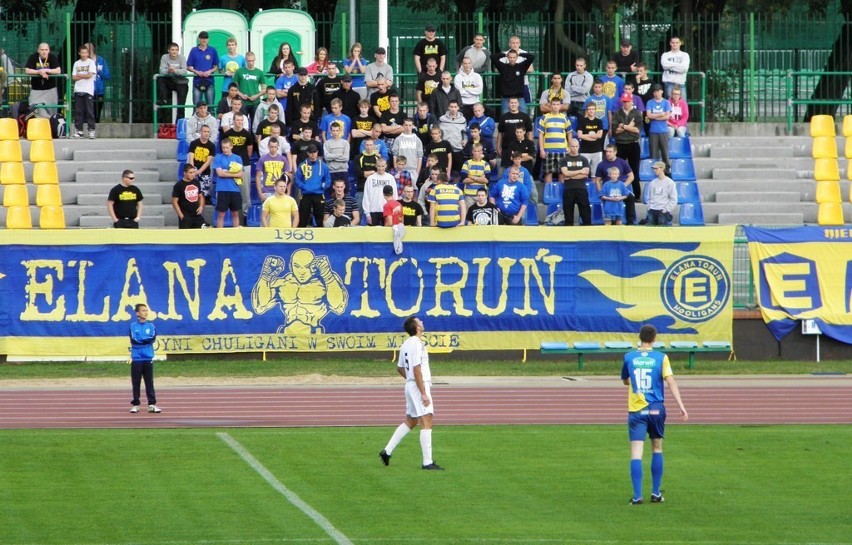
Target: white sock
(426, 445)
(397, 436)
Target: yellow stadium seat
(38, 128)
(12, 174)
(51, 217)
(42, 150)
(848, 148)
(830, 213)
(847, 126)
(49, 195)
(828, 192)
(45, 173)
(826, 170)
(10, 151)
(18, 217)
(822, 125)
(15, 195)
(8, 129)
(825, 147)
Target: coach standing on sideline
(142, 337)
(413, 365)
(644, 372)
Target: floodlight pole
(177, 22)
(383, 24)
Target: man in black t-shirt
(201, 154)
(482, 212)
(509, 121)
(348, 97)
(522, 146)
(430, 47)
(412, 212)
(327, 86)
(592, 137)
(575, 169)
(626, 59)
(42, 65)
(188, 201)
(124, 203)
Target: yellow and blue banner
(803, 273)
(248, 290)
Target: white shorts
(414, 401)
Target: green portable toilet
(220, 24)
(270, 28)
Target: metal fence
(745, 57)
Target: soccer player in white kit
(413, 365)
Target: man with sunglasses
(125, 203)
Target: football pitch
(503, 485)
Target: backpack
(167, 131)
(57, 125)
(24, 115)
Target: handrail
(64, 105)
(792, 102)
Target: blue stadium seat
(683, 170)
(253, 216)
(646, 173)
(687, 192)
(180, 170)
(680, 147)
(182, 149)
(597, 213)
(531, 216)
(553, 192)
(645, 148)
(180, 129)
(594, 194)
(554, 207)
(691, 214)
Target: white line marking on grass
(291, 496)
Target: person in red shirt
(392, 210)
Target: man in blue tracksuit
(312, 179)
(142, 337)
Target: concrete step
(110, 178)
(750, 152)
(105, 222)
(758, 218)
(758, 197)
(713, 210)
(68, 170)
(94, 199)
(710, 187)
(742, 174)
(125, 155)
(118, 147)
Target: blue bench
(581, 348)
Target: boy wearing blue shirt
(603, 104)
(142, 337)
(228, 177)
(613, 194)
(511, 198)
(646, 372)
(657, 111)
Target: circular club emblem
(695, 288)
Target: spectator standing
(328, 85)
(392, 120)
(487, 125)
(430, 47)
(283, 83)
(201, 118)
(336, 152)
(312, 179)
(512, 76)
(470, 86)
(482, 211)
(657, 111)
(474, 174)
(102, 76)
(408, 145)
(680, 114)
(555, 91)
(674, 65)
(251, 81)
(83, 74)
(626, 59)
(285, 53)
(280, 209)
(412, 212)
(554, 139)
(575, 171)
(611, 159)
(627, 125)
(227, 178)
(362, 126)
(424, 121)
(602, 103)
(579, 85)
(201, 153)
(43, 88)
(188, 200)
(477, 53)
(447, 208)
(446, 92)
(303, 93)
(662, 197)
(124, 203)
(263, 120)
(613, 84)
(7, 67)
(244, 142)
(374, 201)
(392, 209)
(613, 195)
(365, 166)
(354, 65)
(232, 56)
(203, 61)
(337, 217)
(376, 70)
(350, 204)
(428, 81)
(272, 167)
(591, 135)
(454, 126)
(347, 96)
(509, 121)
(336, 116)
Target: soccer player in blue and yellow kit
(645, 371)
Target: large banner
(803, 273)
(245, 290)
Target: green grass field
(503, 485)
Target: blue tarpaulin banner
(803, 273)
(477, 288)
